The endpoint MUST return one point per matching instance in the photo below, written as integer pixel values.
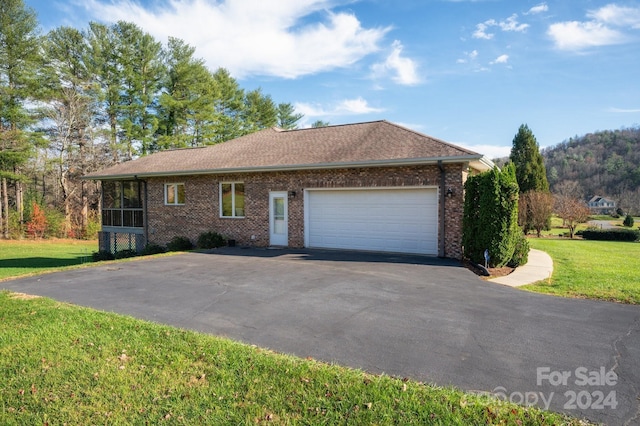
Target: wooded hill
(605, 163)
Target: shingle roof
(350, 145)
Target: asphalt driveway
(409, 316)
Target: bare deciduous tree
(539, 207)
(572, 210)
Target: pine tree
(525, 155)
(20, 65)
(259, 112)
(140, 62)
(287, 117)
(186, 110)
(103, 64)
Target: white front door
(278, 222)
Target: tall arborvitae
(525, 155)
(490, 219)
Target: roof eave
(482, 164)
(477, 161)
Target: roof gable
(350, 145)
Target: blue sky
(466, 71)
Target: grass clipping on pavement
(65, 364)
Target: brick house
(366, 186)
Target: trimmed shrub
(611, 234)
(628, 221)
(179, 244)
(490, 219)
(521, 253)
(209, 240)
(102, 255)
(123, 254)
(152, 248)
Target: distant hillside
(603, 163)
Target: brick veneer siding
(201, 211)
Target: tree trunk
(5, 202)
(1, 210)
(20, 201)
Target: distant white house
(602, 205)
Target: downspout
(441, 219)
(144, 210)
(145, 214)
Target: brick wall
(201, 213)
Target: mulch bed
(494, 272)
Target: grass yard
(62, 364)
(605, 270)
(26, 257)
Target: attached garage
(403, 220)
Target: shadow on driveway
(334, 255)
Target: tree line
(73, 101)
(605, 163)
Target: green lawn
(603, 270)
(62, 364)
(28, 257)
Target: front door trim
(278, 219)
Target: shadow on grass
(43, 262)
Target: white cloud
(481, 30)
(254, 37)
(617, 15)
(542, 7)
(404, 70)
(357, 106)
(469, 56)
(624, 110)
(574, 35)
(598, 31)
(502, 59)
(510, 24)
(489, 151)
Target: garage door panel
(400, 220)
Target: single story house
(601, 205)
(366, 186)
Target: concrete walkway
(539, 267)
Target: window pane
(180, 188)
(106, 217)
(117, 218)
(131, 192)
(227, 200)
(239, 199)
(278, 207)
(170, 195)
(109, 194)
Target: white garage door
(395, 220)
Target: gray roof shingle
(349, 145)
